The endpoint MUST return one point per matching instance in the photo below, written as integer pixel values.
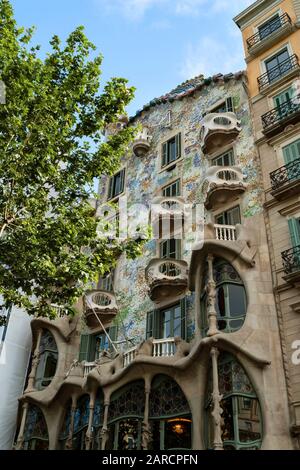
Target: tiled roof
(189, 88)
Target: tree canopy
(51, 150)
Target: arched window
(231, 302)
(170, 416)
(47, 361)
(241, 417)
(126, 412)
(36, 433)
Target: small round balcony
(218, 130)
(99, 304)
(166, 278)
(141, 144)
(224, 184)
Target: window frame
(111, 193)
(166, 162)
(176, 182)
(223, 154)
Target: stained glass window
(35, 429)
(241, 417)
(81, 417)
(98, 410)
(128, 401)
(47, 361)
(65, 430)
(167, 398)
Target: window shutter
(294, 231)
(113, 334)
(183, 318)
(229, 105)
(156, 324)
(149, 325)
(110, 187)
(92, 348)
(164, 154)
(178, 145)
(84, 347)
(122, 182)
(292, 152)
(178, 248)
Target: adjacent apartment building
(179, 349)
(271, 35)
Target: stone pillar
(198, 303)
(89, 432)
(35, 363)
(216, 397)
(104, 430)
(146, 432)
(211, 299)
(20, 440)
(69, 443)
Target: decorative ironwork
(281, 113)
(268, 29)
(167, 399)
(278, 71)
(285, 174)
(128, 401)
(291, 260)
(232, 377)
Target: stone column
(69, 443)
(146, 432)
(35, 363)
(216, 397)
(211, 299)
(89, 432)
(104, 430)
(20, 440)
(198, 303)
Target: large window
(172, 189)
(294, 228)
(269, 26)
(231, 305)
(171, 150)
(47, 361)
(116, 184)
(226, 159)
(229, 217)
(291, 152)
(278, 65)
(225, 107)
(170, 249)
(241, 417)
(91, 346)
(168, 322)
(106, 282)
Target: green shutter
(229, 105)
(294, 228)
(183, 318)
(283, 97)
(122, 183)
(178, 145)
(178, 249)
(92, 348)
(291, 152)
(164, 154)
(156, 324)
(110, 187)
(84, 347)
(113, 334)
(149, 325)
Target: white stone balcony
(218, 130)
(142, 143)
(166, 278)
(165, 347)
(102, 304)
(224, 184)
(225, 233)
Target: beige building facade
(271, 34)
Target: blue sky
(156, 44)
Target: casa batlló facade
(180, 348)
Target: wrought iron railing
(280, 113)
(291, 260)
(278, 71)
(268, 29)
(285, 174)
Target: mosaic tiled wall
(144, 179)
